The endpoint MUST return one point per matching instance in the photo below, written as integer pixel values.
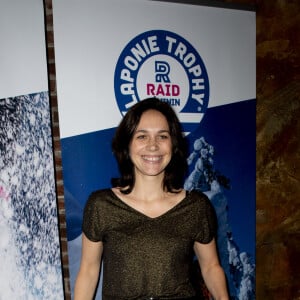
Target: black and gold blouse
(147, 257)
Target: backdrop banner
(201, 60)
(29, 238)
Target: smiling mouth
(152, 158)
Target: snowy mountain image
(237, 264)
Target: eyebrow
(160, 131)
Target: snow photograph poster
(29, 238)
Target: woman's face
(151, 146)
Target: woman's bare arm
(88, 275)
(211, 270)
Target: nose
(152, 144)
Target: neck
(149, 189)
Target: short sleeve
(207, 220)
(92, 224)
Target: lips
(152, 158)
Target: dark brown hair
(175, 170)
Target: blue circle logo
(162, 64)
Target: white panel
(23, 66)
(90, 36)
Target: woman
(147, 228)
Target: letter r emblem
(162, 70)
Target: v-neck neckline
(167, 212)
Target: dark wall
(278, 154)
(278, 151)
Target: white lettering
(146, 47)
(127, 88)
(196, 70)
(170, 41)
(198, 84)
(138, 52)
(180, 50)
(152, 40)
(131, 63)
(189, 60)
(134, 101)
(199, 98)
(126, 75)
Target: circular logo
(162, 64)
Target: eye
(141, 137)
(163, 136)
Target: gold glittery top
(147, 257)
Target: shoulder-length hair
(177, 167)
